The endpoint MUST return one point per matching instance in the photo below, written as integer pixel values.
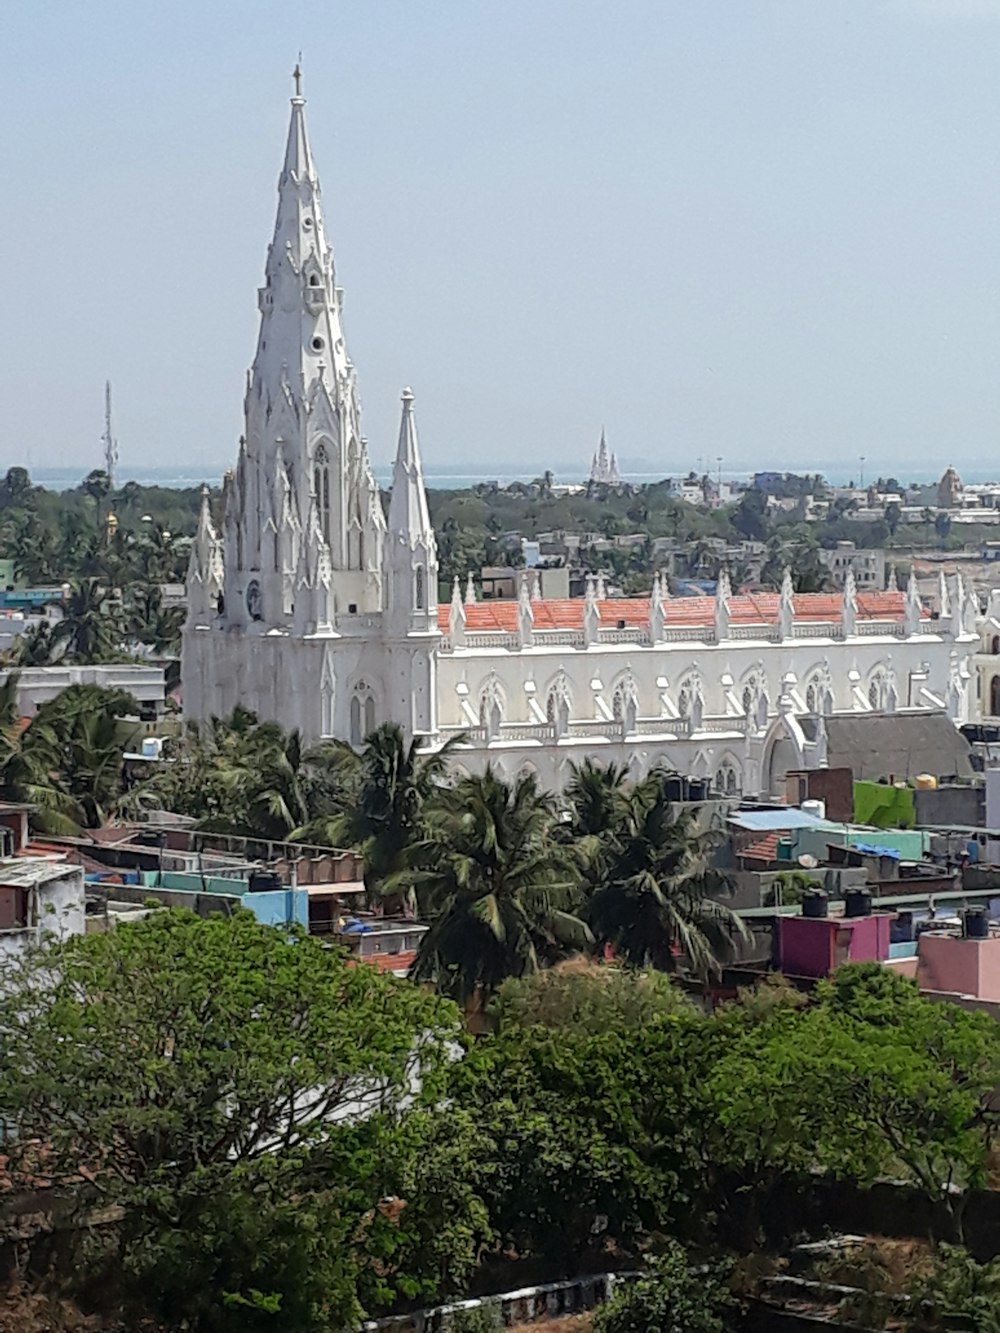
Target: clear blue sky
(767, 229)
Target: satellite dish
(807, 861)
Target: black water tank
(814, 903)
(673, 788)
(265, 881)
(698, 789)
(977, 923)
(901, 930)
(857, 902)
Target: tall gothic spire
(301, 338)
(408, 513)
(304, 449)
(412, 551)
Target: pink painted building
(953, 964)
(815, 946)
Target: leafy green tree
(749, 516)
(668, 1298)
(252, 1104)
(921, 1078)
(958, 1293)
(582, 996)
(659, 903)
(579, 1150)
(500, 892)
(15, 487)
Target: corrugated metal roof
(763, 821)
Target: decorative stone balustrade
(642, 637)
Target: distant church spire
(604, 468)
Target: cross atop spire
(297, 76)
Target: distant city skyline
(757, 231)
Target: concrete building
(39, 900)
(39, 685)
(868, 567)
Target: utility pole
(109, 441)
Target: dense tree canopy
(253, 1105)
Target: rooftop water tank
(814, 807)
(857, 902)
(976, 923)
(152, 747)
(814, 903)
(925, 782)
(264, 881)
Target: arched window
(418, 588)
(996, 644)
(321, 489)
(995, 697)
(818, 697)
(363, 720)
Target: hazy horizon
(764, 231)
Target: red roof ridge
(746, 608)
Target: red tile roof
(759, 608)
(764, 849)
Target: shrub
(668, 1299)
(960, 1293)
(485, 1319)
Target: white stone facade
(316, 611)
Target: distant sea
(194, 474)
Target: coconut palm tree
(149, 621)
(383, 791)
(239, 776)
(38, 645)
(67, 760)
(658, 906)
(91, 627)
(596, 798)
(91, 764)
(500, 891)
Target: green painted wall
(884, 807)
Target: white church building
(316, 610)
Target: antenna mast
(108, 440)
